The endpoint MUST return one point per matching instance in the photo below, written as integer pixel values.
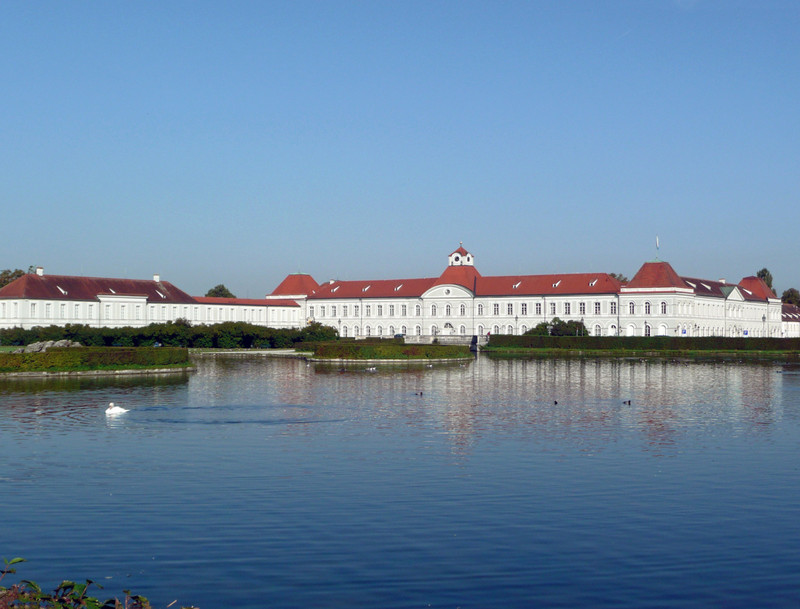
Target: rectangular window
(368, 310)
(380, 310)
(538, 308)
(91, 311)
(391, 310)
(404, 310)
(567, 308)
(582, 308)
(597, 308)
(77, 311)
(33, 309)
(311, 312)
(63, 310)
(524, 308)
(122, 311)
(48, 310)
(510, 308)
(344, 310)
(613, 307)
(333, 311)
(496, 309)
(552, 308)
(355, 310)
(108, 311)
(322, 311)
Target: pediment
(448, 291)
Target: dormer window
(365, 289)
(593, 283)
(516, 285)
(333, 291)
(112, 291)
(62, 290)
(557, 283)
(398, 287)
(160, 294)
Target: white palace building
(459, 302)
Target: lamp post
(763, 325)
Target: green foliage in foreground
(180, 333)
(68, 595)
(645, 343)
(388, 350)
(93, 358)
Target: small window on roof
(62, 290)
(706, 286)
(556, 284)
(398, 287)
(365, 289)
(160, 294)
(516, 285)
(111, 290)
(691, 284)
(336, 288)
(592, 282)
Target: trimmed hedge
(389, 350)
(93, 358)
(644, 343)
(180, 333)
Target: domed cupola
(461, 257)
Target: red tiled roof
(529, 285)
(295, 284)
(380, 288)
(67, 287)
(465, 276)
(461, 251)
(656, 275)
(250, 302)
(790, 312)
(757, 288)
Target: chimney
(157, 278)
(40, 270)
(723, 281)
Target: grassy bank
(94, 358)
(645, 347)
(386, 350)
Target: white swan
(111, 410)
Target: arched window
(368, 331)
(344, 331)
(404, 330)
(613, 330)
(510, 330)
(480, 309)
(462, 330)
(417, 310)
(462, 310)
(663, 308)
(433, 310)
(632, 308)
(380, 330)
(434, 330)
(598, 331)
(497, 329)
(523, 329)
(647, 308)
(419, 330)
(391, 331)
(447, 311)
(355, 330)
(647, 329)
(480, 331)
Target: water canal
(258, 482)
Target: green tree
(791, 296)
(619, 277)
(540, 329)
(7, 276)
(766, 276)
(220, 291)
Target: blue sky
(236, 142)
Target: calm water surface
(261, 482)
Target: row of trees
(790, 296)
(180, 333)
(558, 327)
